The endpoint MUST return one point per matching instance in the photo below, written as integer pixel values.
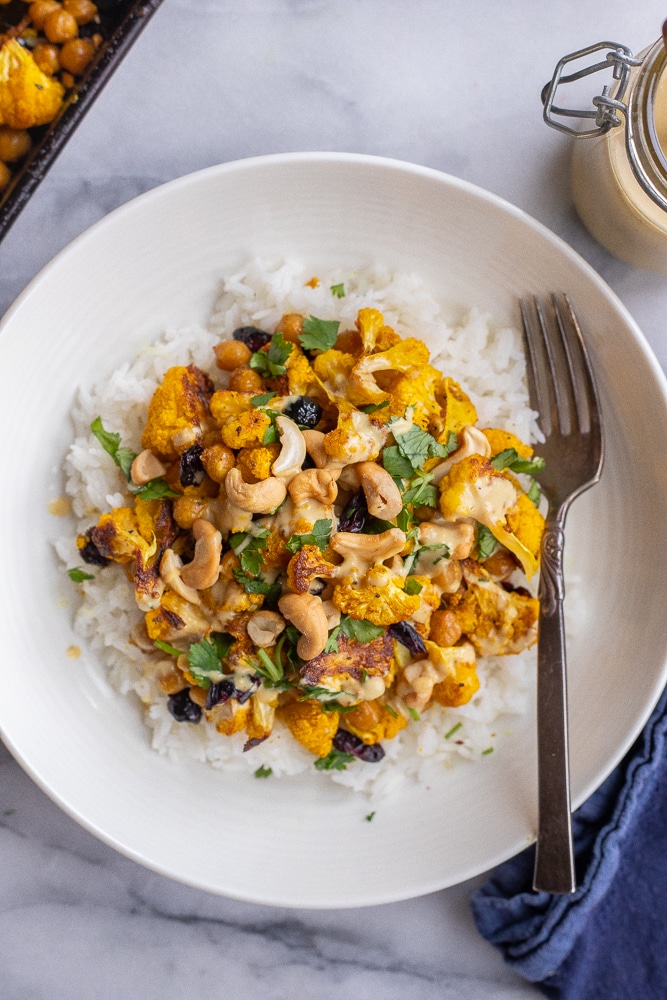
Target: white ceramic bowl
(156, 262)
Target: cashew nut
(293, 451)
(313, 484)
(170, 571)
(361, 551)
(459, 538)
(145, 467)
(473, 443)
(383, 496)
(264, 627)
(204, 569)
(332, 613)
(305, 612)
(258, 498)
(315, 447)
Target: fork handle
(554, 858)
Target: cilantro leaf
(338, 291)
(336, 760)
(257, 585)
(272, 669)
(534, 493)
(360, 629)
(77, 574)
(154, 489)
(263, 398)
(369, 817)
(396, 464)
(250, 556)
(486, 543)
(510, 459)
(420, 491)
(263, 772)
(319, 536)
(374, 407)
(271, 363)
(205, 657)
(110, 441)
(318, 334)
(413, 586)
(417, 445)
(332, 641)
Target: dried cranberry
(252, 337)
(355, 515)
(254, 742)
(183, 708)
(90, 552)
(408, 636)
(304, 411)
(243, 696)
(347, 742)
(191, 470)
(220, 692)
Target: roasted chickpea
(231, 354)
(46, 56)
(14, 143)
(40, 10)
(5, 175)
(217, 461)
(187, 510)
(59, 26)
(291, 325)
(445, 629)
(83, 11)
(501, 564)
(245, 380)
(76, 54)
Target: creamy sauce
(73, 652)
(488, 499)
(60, 507)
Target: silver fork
(563, 391)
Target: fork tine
(585, 394)
(540, 388)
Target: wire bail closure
(607, 107)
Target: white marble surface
(451, 85)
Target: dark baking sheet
(121, 22)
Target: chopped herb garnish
(420, 492)
(414, 714)
(155, 489)
(413, 586)
(534, 493)
(336, 760)
(370, 816)
(318, 536)
(453, 730)
(167, 648)
(374, 407)
(392, 711)
(251, 548)
(263, 772)
(510, 459)
(488, 750)
(205, 657)
(272, 669)
(396, 464)
(271, 363)
(257, 585)
(332, 641)
(123, 457)
(417, 446)
(338, 291)
(360, 629)
(78, 575)
(318, 334)
(486, 542)
(262, 399)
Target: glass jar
(619, 167)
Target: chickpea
(46, 56)
(83, 11)
(67, 80)
(187, 510)
(217, 461)
(14, 143)
(291, 325)
(59, 26)
(245, 380)
(445, 629)
(231, 354)
(3, 3)
(501, 564)
(40, 10)
(5, 175)
(76, 54)
(365, 716)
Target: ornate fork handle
(554, 861)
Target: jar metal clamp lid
(645, 155)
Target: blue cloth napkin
(608, 940)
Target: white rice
(486, 359)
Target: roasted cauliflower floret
(474, 488)
(375, 336)
(379, 598)
(246, 430)
(440, 666)
(419, 392)
(27, 96)
(301, 378)
(333, 368)
(496, 621)
(458, 409)
(176, 619)
(178, 411)
(359, 669)
(311, 725)
(409, 357)
(357, 437)
(307, 565)
(255, 463)
(373, 722)
(502, 440)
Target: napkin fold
(606, 941)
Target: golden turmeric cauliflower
(311, 725)
(375, 336)
(27, 96)
(458, 408)
(379, 598)
(177, 412)
(496, 621)
(356, 438)
(502, 440)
